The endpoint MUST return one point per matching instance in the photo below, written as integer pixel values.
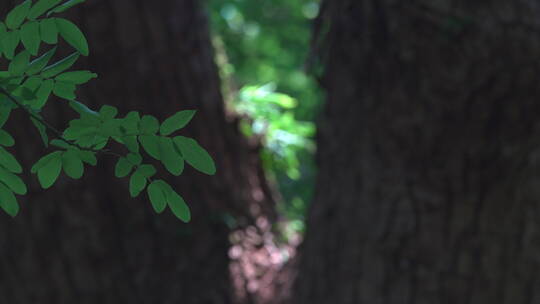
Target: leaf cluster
(33, 77)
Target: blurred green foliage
(261, 50)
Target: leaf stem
(59, 134)
(47, 125)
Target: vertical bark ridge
(426, 188)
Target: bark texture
(87, 241)
(428, 189)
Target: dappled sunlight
(260, 265)
(262, 50)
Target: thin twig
(47, 125)
(59, 134)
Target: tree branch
(47, 125)
(59, 134)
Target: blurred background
(261, 51)
(367, 152)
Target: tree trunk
(427, 191)
(87, 241)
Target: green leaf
(161, 194)
(3, 34)
(19, 64)
(89, 140)
(42, 131)
(11, 84)
(147, 170)
(60, 144)
(131, 143)
(49, 31)
(45, 160)
(8, 202)
(171, 159)
(85, 120)
(131, 122)
(88, 157)
(76, 132)
(6, 139)
(39, 63)
(176, 122)
(23, 93)
(72, 35)
(72, 164)
(76, 77)
(134, 158)
(123, 167)
(10, 43)
(107, 112)
(41, 7)
(60, 66)
(67, 5)
(137, 182)
(14, 182)
(195, 155)
(98, 143)
(9, 161)
(157, 193)
(110, 127)
(64, 90)
(17, 15)
(179, 207)
(150, 143)
(49, 171)
(30, 37)
(32, 83)
(148, 125)
(5, 111)
(43, 93)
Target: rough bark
(87, 241)
(427, 190)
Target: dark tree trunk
(87, 241)
(427, 191)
